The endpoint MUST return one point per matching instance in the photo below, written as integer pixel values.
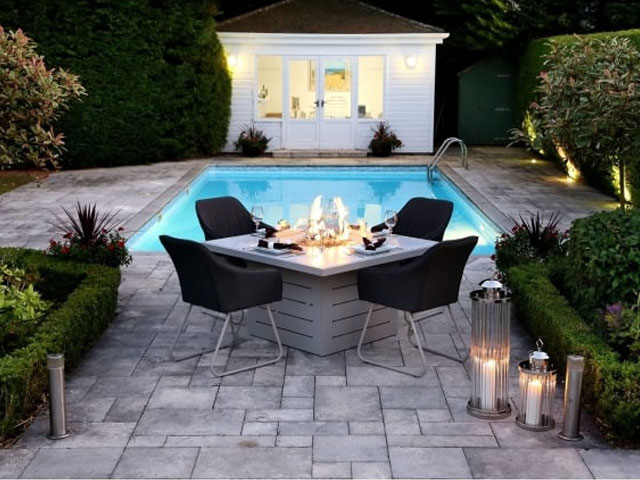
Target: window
(269, 87)
(370, 87)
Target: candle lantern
(490, 316)
(537, 390)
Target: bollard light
(572, 391)
(489, 356)
(57, 405)
(537, 389)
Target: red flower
(68, 235)
(53, 243)
(110, 247)
(64, 250)
(121, 229)
(121, 243)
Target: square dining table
(320, 311)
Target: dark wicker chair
(207, 281)
(222, 217)
(420, 217)
(429, 281)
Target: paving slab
(280, 415)
(331, 470)
(347, 404)
(248, 397)
(258, 462)
(183, 397)
(539, 463)
(313, 428)
(428, 463)
(162, 462)
(123, 387)
(412, 397)
(220, 441)
(84, 435)
(610, 463)
(14, 461)
(162, 421)
(370, 470)
(73, 463)
(126, 409)
(349, 448)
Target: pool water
(287, 193)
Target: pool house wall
(407, 94)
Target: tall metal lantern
(490, 316)
(537, 390)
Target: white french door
(319, 110)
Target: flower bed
(611, 388)
(84, 298)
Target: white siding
(408, 92)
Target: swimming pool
(287, 192)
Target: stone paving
(136, 414)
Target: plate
(383, 249)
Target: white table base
(321, 315)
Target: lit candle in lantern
(488, 399)
(534, 403)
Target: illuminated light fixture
(232, 60)
(537, 390)
(410, 61)
(490, 314)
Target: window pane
(269, 94)
(370, 87)
(302, 89)
(337, 88)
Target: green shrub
(31, 100)
(21, 308)
(531, 240)
(604, 266)
(86, 303)
(611, 388)
(587, 106)
(155, 73)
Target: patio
(136, 414)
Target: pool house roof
(324, 17)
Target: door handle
(319, 103)
(322, 103)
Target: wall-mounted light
(410, 61)
(232, 60)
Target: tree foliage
(590, 105)
(32, 98)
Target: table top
(322, 262)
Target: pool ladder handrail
(442, 150)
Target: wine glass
(390, 220)
(257, 214)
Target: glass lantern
(489, 356)
(537, 391)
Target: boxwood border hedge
(90, 294)
(611, 387)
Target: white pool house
(320, 74)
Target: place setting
(322, 229)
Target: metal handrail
(442, 150)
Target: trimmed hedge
(87, 296)
(611, 387)
(155, 73)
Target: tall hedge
(155, 73)
(531, 62)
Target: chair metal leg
(201, 352)
(411, 332)
(409, 320)
(252, 367)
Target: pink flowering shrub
(31, 99)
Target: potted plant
(251, 141)
(384, 140)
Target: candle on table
(534, 403)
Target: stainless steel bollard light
(490, 316)
(57, 405)
(572, 391)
